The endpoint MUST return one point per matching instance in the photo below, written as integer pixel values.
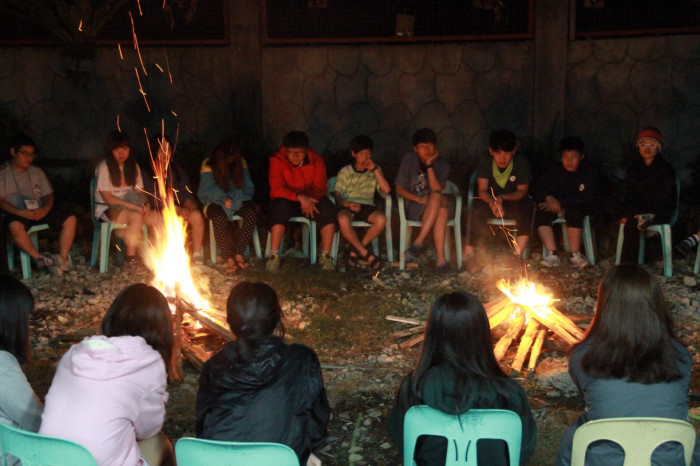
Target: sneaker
(578, 260)
(413, 253)
(133, 264)
(197, 259)
(45, 260)
(326, 262)
(445, 270)
(273, 263)
(552, 260)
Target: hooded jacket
(279, 397)
(107, 394)
(209, 192)
(287, 180)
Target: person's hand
(433, 157)
(369, 164)
(354, 207)
(308, 205)
(228, 203)
(550, 204)
(496, 206)
(189, 205)
(422, 200)
(184, 213)
(28, 214)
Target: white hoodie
(107, 394)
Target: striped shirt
(355, 186)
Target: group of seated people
(298, 187)
(109, 392)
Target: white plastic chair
(200, 452)
(24, 258)
(588, 238)
(663, 229)
(103, 233)
(406, 227)
(362, 224)
(462, 432)
(638, 437)
(212, 239)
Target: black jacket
(651, 189)
(277, 398)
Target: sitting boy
(298, 187)
(420, 181)
(354, 193)
(26, 196)
(570, 190)
(503, 180)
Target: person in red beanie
(650, 194)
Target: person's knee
(378, 219)
(344, 219)
(17, 229)
(196, 219)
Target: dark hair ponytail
(253, 314)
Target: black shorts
(364, 213)
(55, 219)
(282, 209)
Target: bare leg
(65, 239)
(378, 221)
(22, 240)
(467, 251)
(546, 233)
(521, 241)
(276, 235)
(133, 220)
(349, 233)
(439, 232)
(435, 201)
(574, 235)
(196, 222)
(327, 233)
(157, 450)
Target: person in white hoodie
(109, 391)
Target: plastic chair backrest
(200, 452)
(676, 212)
(38, 450)
(462, 432)
(638, 437)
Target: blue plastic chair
(638, 437)
(588, 238)
(103, 232)
(24, 258)
(663, 229)
(38, 450)
(462, 432)
(200, 452)
(406, 226)
(362, 224)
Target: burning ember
(523, 306)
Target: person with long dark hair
(120, 196)
(226, 189)
(457, 371)
(630, 363)
(109, 391)
(19, 406)
(259, 389)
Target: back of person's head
(502, 140)
(424, 135)
(360, 143)
(16, 303)
(631, 334)
(253, 313)
(572, 143)
(114, 140)
(295, 139)
(21, 139)
(141, 310)
(458, 336)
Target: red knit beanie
(650, 133)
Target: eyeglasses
(647, 145)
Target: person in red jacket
(298, 187)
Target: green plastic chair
(200, 452)
(103, 232)
(24, 258)
(405, 227)
(39, 450)
(638, 437)
(362, 224)
(462, 432)
(663, 229)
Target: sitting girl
(258, 389)
(120, 196)
(226, 189)
(19, 406)
(630, 364)
(108, 393)
(456, 372)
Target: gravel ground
(342, 315)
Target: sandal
(231, 267)
(241, 263)
(373, 261)
(351, 258)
